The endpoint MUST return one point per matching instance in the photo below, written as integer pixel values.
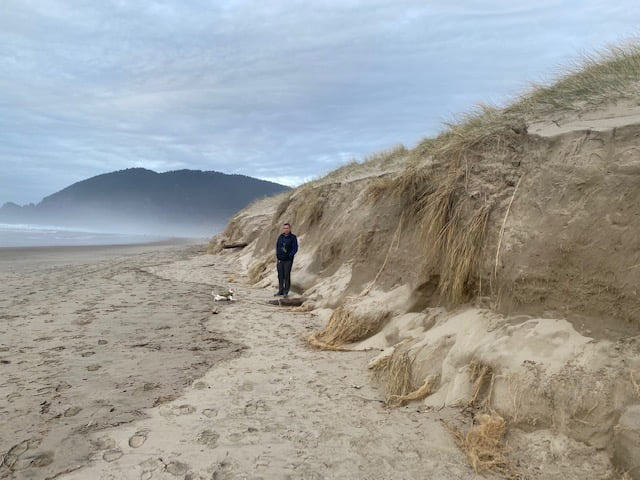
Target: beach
(116, 363)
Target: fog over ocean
(24, 235)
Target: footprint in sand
(94, 367)
(72, 412)
(149, 466)
(177, 410)
(104, 443)
(184, 409)
(87, 354)
(42, 460)
(138, 439)
(208, 438)
(62, 386)
(210, 412)
(252, 407)
(112, 455)
(246, 386)
(13, 396)
(13, 455)
(177, 468)
(223, 470)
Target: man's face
(286, 229)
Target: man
(286, 249)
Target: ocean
(23, 235)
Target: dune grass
(346, 326)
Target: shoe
(286, 295)
(277, 294)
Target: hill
(495, 267)
(137, 200)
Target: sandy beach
(115, 366)
(89, 339)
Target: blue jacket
(286, 246)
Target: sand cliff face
(501, 270)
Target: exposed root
(394, 240)
(380, 363)
(483, 443)
(395, 371)
(305, 307)
(482, 378)
(501, 234)
(427, 388)
(315, 342)
(346, 326)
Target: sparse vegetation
(610, 75)
(395, 372)
(484, 444)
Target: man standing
(286, 248)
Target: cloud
(277, 90)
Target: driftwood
(235, 245)
(288, 302)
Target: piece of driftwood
(288, 302)
(235, 245)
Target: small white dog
(228, 296)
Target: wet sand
(88, 340)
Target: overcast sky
(284, 91)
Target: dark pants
(284, 276)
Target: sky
(280, 90)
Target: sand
(115, 366)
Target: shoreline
(170, 241)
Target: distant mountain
(137, 200)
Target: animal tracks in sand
(210, 412)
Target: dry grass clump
(484, 444)
(346, 326)
(482, 379)
(395, 371)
